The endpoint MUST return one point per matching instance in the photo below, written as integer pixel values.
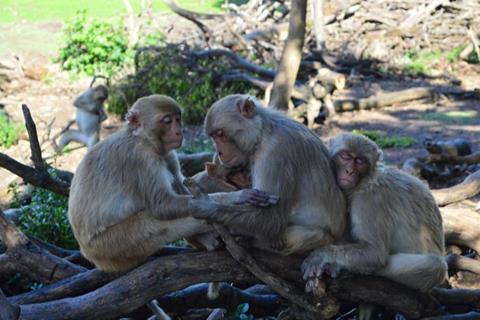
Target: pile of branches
(175, 278)
(259, 37)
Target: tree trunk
(291, 56)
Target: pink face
(350, 169)
(228, 153)
(170, 130)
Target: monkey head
(355, 157)
(100, 94)
(235, 126)
(158, 120)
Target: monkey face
(229, 154)
(168, 130)
(350, 169)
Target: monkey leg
(72, 135)
(127, 244)
(418, 271)
(300, 239)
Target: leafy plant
(384, 141)
(9, 131)
(171, 70)
(45, 217)
(420, 61)
(93, 46)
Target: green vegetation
(94, 47)
(417, 62)
(384, 141)
(45, 217)
(171, 70)
(60, 10)
(198, 144)
(9, 131)
(452, 117)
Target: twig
(34, 144)
(327, 307)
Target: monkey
(127, 196)
(89, 114)
(283, 158)
(395, 225)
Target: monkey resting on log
(89, 115)
(395, 225)
(283, 158)
(127, 196)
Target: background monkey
(284, 158)
(396, 227)
(89, 115)
(127, 196)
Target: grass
(384, 141)
(12, 11)
(452, 117)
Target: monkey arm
(102, 115)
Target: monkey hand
(318, 264)
(257, 198)
(278, 244)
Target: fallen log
(331, 78)
(382, 100)
(468, 188)
(457, 262)
(461, 226)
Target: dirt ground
(50, 98)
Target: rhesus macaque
(217, 178)
(89, 115)
(395, 225)
(286, 159)
(127, 196)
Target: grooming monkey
(283, 158)
(395, 224)
(127, 196)
(89, 115)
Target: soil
(49, 94)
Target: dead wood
(325, 308)
(237, 60)
(23, 256)
(155, 278)
(382, 100)
(461, 226)
(468, 188)
(291, 57)
(457, 262)
(445, 158)
(37, 176)
(473, 315)
(452, 297)
(193, 17)
(8, 311)
(230, 297)
(299, 91)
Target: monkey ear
(247, 108)
(133, 120)
(211, 169)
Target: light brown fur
(396, 227)
(286, 159)
(127, 196)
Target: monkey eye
(167, 119)
(346, 156)
(361, 161)
(218, 133)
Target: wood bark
(468, 188)
(382, 100)
(331, 78)
(461, 227)
(291, 57)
